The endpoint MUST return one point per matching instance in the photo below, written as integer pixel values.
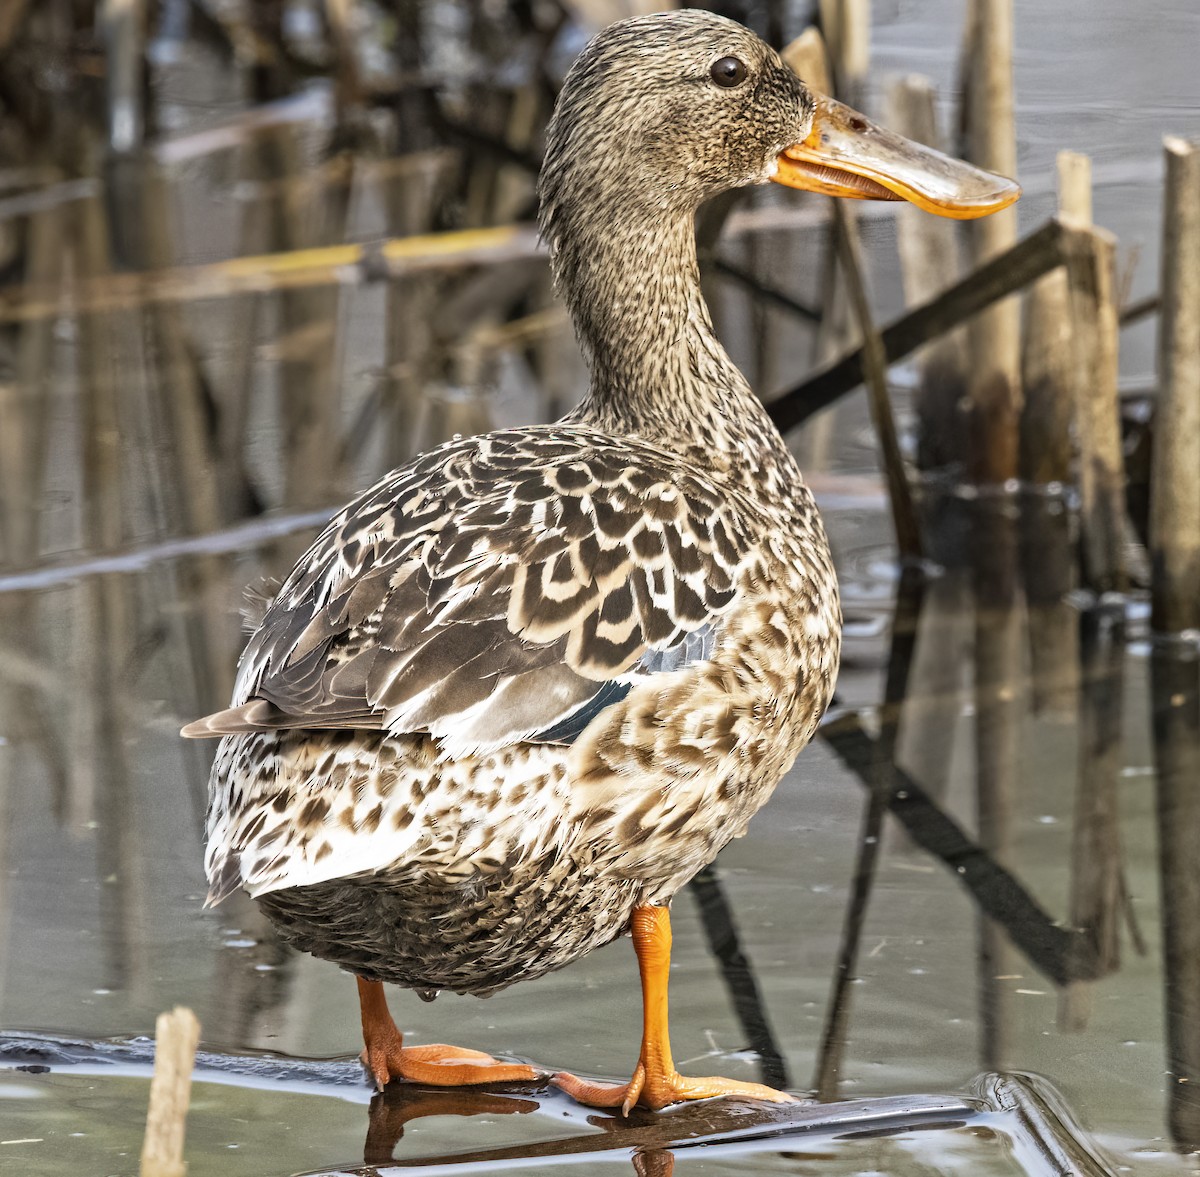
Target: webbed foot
(659, 1090)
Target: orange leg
(386, 1058)
(656, 1083)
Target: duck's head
(659, 113)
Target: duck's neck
(658, 370)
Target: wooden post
(124, 25)
(176, 1034)
(1046, 370)
(1047, 550)
(847, 28)
(1175, 466)
(995, 387)
(836, 332)
(808, 56)
(1075, 187)
(929, 263)
(1090, 264)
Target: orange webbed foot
(656, 1083)
(657, 1091)
(386, 1057)
(439, 1065)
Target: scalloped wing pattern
(496, 590)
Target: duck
(520, 691)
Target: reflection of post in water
(716, 916)
(108, 623)
(1096, 873)
(837, 1018)
(943, 636)
(1175, 694)
(1048, 566)
(409, 198)
(997, 736)
(304, 208)
(25, 350)
(165, 388)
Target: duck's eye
(729, 71)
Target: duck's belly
(367, 850)
(370, 851)
(425, 932)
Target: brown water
(110, 638)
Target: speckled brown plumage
(537, 678)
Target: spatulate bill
(847, 155)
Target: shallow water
(116, 630)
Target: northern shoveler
(521, 690)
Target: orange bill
(846, 154)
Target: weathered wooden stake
(1096, 879)
(1047, 551)
(1046, 370)
(1090, 266)
(176, 1034)
(809, 57)
(1075, 187)
(1095, 902)
(847, 28)
(815, 61)
(124, 27)
(1175, 466)
(929, 263)
(995, 386)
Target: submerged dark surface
(1049, 808)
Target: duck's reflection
(393, 1109)
(655, 1162)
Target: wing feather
(500, 588)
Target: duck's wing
(500, 589)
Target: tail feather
(226, 878)
(261, 715)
